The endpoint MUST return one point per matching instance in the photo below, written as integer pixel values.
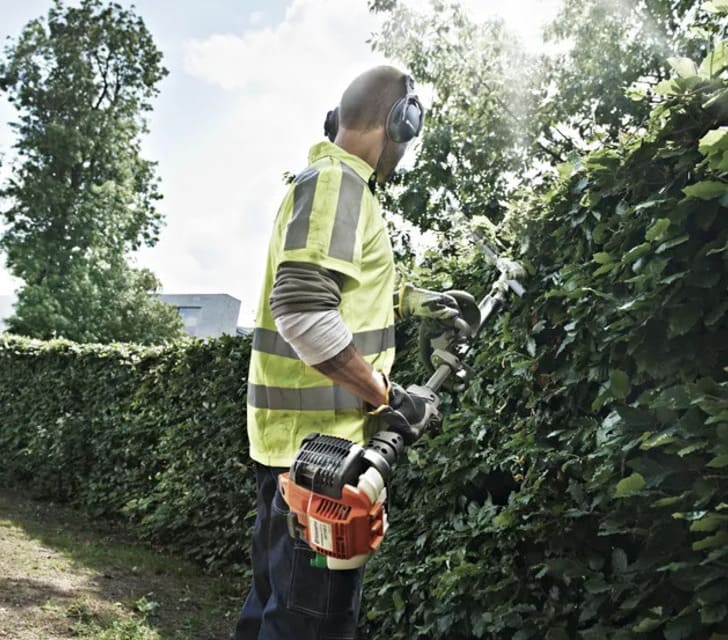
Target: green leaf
(504, 519)
(714, 140)
(666, 502)
(710, 522)
(667, 87)
(603, 258)
(657, 441)
(672, 243)
(716, 314)
(605, 268)
(719, 462)
(718, 540)
(691, 448)
(715, 62)
(683, 319)
(619, 384)
(619, 560)
(630, 486)
(646, 624)
(715, 6)
(657, 230)
(706, 190)
(713, 614)
(636, 252)
(684, 67)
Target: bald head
(367, 101)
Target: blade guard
(346, 530)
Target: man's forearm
(349, 370)
(311, 334)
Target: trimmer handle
(437, 379)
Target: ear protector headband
(404, 121)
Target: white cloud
(278, 84)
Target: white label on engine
(321, 534)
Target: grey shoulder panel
(304, 191)
(348, 207)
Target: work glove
(423, 303)
(409, 412)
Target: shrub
(578, 489)
(153, 434)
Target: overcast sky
(249, 85)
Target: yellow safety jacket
(330, 217)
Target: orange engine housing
(339, 528)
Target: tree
(81, 197)
(477, 129)
(613, 46)
(502, 119)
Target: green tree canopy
(81, 197)
(503, 117)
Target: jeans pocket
(279, 504)
(321, 592)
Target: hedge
(578, 487)
(155, 435)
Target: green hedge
(154, 435)
(580, 487)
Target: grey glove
(410, 412)
(423, 303)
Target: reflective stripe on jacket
(331, 218)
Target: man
(324, 345)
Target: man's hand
(410, 412)
(423, 303)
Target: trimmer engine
(337, 494)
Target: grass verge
(63, 576)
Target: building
(206, 315)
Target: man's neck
(363, 144)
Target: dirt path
(62, 577)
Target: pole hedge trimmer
(336, 489)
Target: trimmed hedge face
(578, 488)
(154, 434)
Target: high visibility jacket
(330, 217)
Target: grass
(75, 578)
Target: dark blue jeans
(289, 599)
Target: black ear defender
(331, 124)
(405, 119)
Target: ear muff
(331, 124)
(405, 118)
(404, 121)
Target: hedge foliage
(578, 488)
(155, 435)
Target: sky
(249, 85)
